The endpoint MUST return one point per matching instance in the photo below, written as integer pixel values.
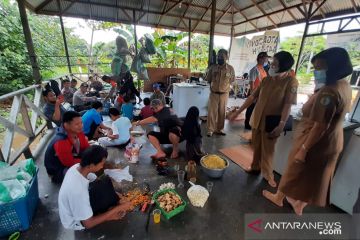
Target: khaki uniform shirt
(272, 95)
(220, 78)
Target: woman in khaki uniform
(318, 139)
(274, 96)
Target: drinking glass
(181, 176)
(209, 186)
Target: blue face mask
(320, 76)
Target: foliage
(14, 63)
(48, 45)
(313, 44)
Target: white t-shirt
(121, 127)
(74, 200)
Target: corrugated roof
(249, 15)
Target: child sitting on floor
(146, 111)
(192, 134)
(120, 130)
(127, 108)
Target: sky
(84, 32)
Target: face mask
(318, 85)
(273, 72)
(221, 61)
(320, 76)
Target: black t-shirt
(167, 119)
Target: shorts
(163, 137)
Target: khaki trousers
(217, 111)
(264, 149)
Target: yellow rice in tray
(214, 162)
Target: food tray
(174, 212)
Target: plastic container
(174, 212)
(17, 215)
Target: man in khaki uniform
(219, 76)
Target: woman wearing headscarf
(192, 134)
(318, 139)
(273, 97)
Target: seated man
(170, 129)
(53, 108)
(93, 122)
(158, 94)
(77, 199)
(120, 130)
(66, 147)
(95, 84)
(80, 101)
(73, 84)
(67, 91)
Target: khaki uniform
(271, 95)
(310, 181)
(219, 78)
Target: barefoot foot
(296, 205)
(272, 198)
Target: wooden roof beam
(182, 19)
(197, 23)
(42, 5)
(242, 14)
(172, 7)
(227, 9)
(288, 10)
(165, 5)
(318, 7)
(263, 12)
(354, 6)
(271, 13)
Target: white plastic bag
(197, 195)
(119, 174)
(139, 135)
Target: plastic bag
(28, 166)
(24, 176)
(139, 138)
(8, 173)
(119, 174)
(11, 190)
(198, 195)
(3, 164)
(132, 152)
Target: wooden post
(29, 41)
(189, 45)
(135, 34)
(136, 48)
(64, 37)
(212, 30)
(232, 27)
(308, 15)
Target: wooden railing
(29, 125)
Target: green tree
(313, 45)
(14, 63)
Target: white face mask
(273, 72)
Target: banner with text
(244, 51)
